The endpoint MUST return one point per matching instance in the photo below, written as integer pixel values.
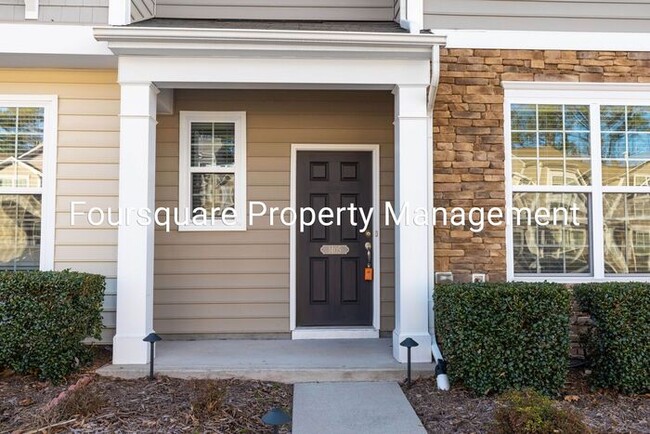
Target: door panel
(330, 287)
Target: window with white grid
(585, 148)
(212, 171)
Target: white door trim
(335, 332)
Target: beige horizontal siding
(345, 10)
(87, 164)
(238, 282)
(552, 15)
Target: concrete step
(287, 361)
(353, 408)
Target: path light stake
(408, 343)
(275, 418)
(152, 338)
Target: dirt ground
(163, 405)
(458, 411)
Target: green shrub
(528, 412)
(618, 346)
(44, 316)
(500, 336)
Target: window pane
(576, 118)
(551, 145)
(578, 145)
(614, 173)
(626, 232)
(550, 117)
(552, 249)
(612, 118)
(21, 146)
(524, 172)
(578, 172)
(551, 172)
(638, 118)
(639, 146)
(613, 145)
(20, 232)
(213, 190)
(640, 173)
(524, 145)
(524, 117)
(212, 144)
(30, 120)
(8, 120)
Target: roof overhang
(164, 41)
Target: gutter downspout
(441, 371)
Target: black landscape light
(276, 418)
(408, 343)
(152, 338)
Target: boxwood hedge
(618, 345)
(500, 336)
(44, 317)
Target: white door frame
(337, 332)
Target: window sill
(581, 279)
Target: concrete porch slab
(352, 408)
(287, 361)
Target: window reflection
(627, 233)
(625, 145)
(556, 139)
(21, 167)
(552, 249)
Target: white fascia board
(235, 42)
(545, 40)
(34, 38)
(282, 71)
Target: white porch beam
(162, 70)
(411, 241)
(135, 242)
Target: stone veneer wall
(469, 143)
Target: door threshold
(335, 333)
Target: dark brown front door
(331, 289)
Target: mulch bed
(166, 405)
(458, 411)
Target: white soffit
(28, 45)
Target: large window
(26, 145)
(578, 146)
(212, 171)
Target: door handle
(367, 273)
(368, 247)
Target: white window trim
(48, 190)
(184, 185)
(592, 94)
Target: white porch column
(135, 242)
(411, 241)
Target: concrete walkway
(288, 361)
(353, 408)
